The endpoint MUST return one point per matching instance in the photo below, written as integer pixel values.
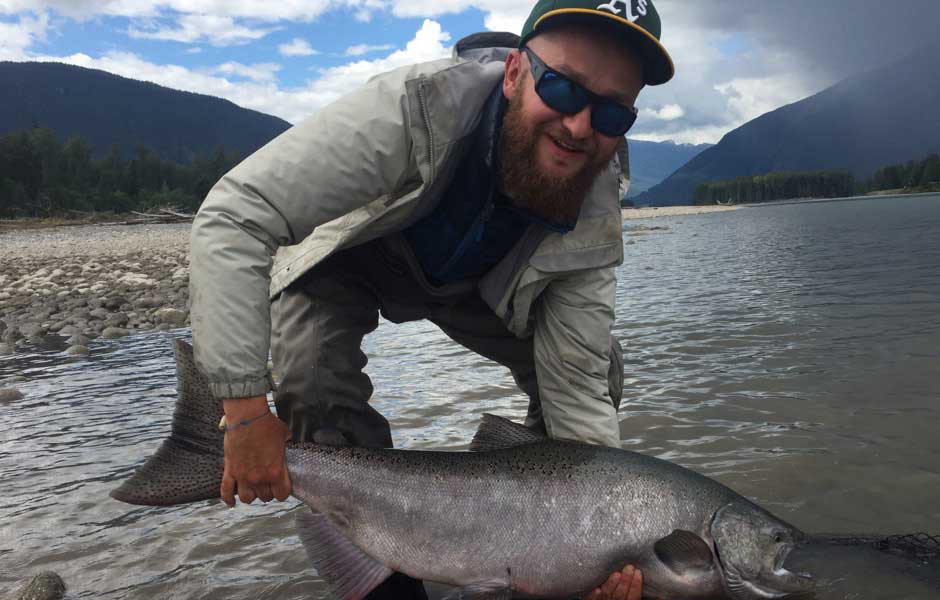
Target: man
(480, 192)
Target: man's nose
(579, 124)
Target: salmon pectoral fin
(348, 571)
(683, 550)
(483, 590)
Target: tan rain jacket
(373, 163)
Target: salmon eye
(778, 537)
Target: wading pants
(317, 328)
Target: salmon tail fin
(496, 433)
(188, 465)
(350, 573)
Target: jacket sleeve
(574, 318)
(348, 154)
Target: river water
(792, 352)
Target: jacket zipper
(426, 115)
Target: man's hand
(621, 585)
(254, 454)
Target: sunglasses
(569, 97)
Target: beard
(554, 198)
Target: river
(792, 352)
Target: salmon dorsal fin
(350, 572)
(496, 433)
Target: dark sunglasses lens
(562, 94)
(612, 119)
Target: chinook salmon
(517, 515)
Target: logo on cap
(618, 6)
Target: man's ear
(514, 73)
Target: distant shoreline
(651, 212)
(674, 211)
(840, 199)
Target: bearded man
(480, 192)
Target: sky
(735, 59)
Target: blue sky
(735, 59)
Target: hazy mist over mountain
(884, 116)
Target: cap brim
(658, 67)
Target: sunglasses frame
(540, 70)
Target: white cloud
(218, 31)
(16, 38)
(361, 49)
(255, 72)
(669, 112)
(749, 98)
(260, 91)
(297, 47)
(301, 10)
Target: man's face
(549, 160)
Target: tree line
(41, 176)
(817, 184)
(776, 186)
(909, 175)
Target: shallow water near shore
(791, 352)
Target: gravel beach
(84, 282)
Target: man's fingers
(227, 490)
(635, 591)
(282, 487)
(264, 492)
(610, 585)
(624, 585)
(246, 495)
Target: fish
(519, 515)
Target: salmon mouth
(787, 582)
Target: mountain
(885, 116)
(106, 109)
(651, 162)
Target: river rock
(70, 330)
(31, 330)
(117, 319)
(45, 586)
(113, 333)
(6, 349)
(99, 313)
(78, 340)
(171, 316)
(150, 302)
(115, 302)
(77, 350)
(10, 394)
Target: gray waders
(318, 324)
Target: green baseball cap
(636, 20)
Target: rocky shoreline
(108, 281)
(92, 281)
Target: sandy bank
(672, 211)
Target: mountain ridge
(108, 109)
(846, 126)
